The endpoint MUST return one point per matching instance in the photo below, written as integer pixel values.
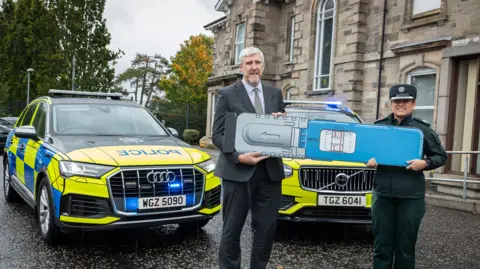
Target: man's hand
(279, 114)
(417, 165)
(251, 158)
(372, 163)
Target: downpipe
(380, 66)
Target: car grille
(128, 185)
(323, 179)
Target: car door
(19, 145)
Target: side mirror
(173, 131)
(28, 132)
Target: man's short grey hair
(249, 51)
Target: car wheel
(10, 194)
(193, 225)
(45, 213)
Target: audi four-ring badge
(111, 154)
(161, 177)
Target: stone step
(446, 201)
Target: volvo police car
(325, 191)
(88, 160)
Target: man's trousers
(396, 222)
(262, 196)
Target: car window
(20, 119)
(39, 120)
(322, 115)
(103, 119)
(29, 114)
(6, 123)
(4, 130)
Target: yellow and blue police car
(325, 191)
(87, 160)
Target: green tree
(144, 74)
(84, 35)
(29, 40)
(190, 69)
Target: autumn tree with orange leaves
(190, 69)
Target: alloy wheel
(44, 211)
(6, 180)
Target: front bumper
(299, 205)
(89, 207)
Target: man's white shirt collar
(250, 88)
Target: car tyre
(193, 225)
(10, 194)
(45, 213)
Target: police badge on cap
(403, 92)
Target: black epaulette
(424, 122)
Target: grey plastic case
(272, 136)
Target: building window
(324, 45)
(425, 80)
(292, 38)
(288, 94)
(239, 41)
(421, 6)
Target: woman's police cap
(403, 92)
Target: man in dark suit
(250, 180)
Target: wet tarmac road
(448, 239)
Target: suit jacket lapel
(267, 97)
(242, 94)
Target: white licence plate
(342, 200)
(162, 202)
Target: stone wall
(410, 42)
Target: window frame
(238, 42)
(292, 38)
(412, 20)
(436, 9)
(421, 71)
(319, 38)
(214, 103)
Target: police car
(325, 191)
(88, 160)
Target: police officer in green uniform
(398, 198)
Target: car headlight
(208, 165)
(288, 170)
(68, 169)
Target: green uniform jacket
(394, 181)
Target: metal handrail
(465, 172)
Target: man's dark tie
(258, 103)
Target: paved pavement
(448, 239)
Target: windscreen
(322, 115)
(104, 119)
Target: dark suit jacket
(234, 98)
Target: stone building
(341, 49)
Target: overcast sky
(155, 26)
